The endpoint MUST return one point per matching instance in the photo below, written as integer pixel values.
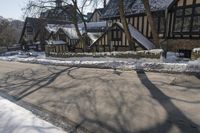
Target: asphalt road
(106, 100)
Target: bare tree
(125, 25)
(151, 22)
(35, 7)
(7, 34)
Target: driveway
(108, 101)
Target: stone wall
(154, 54)
(186, 44)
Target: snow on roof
(70, 32)
(140, 38)
(94, 24)
(54, 27)
(59, 42)
(94, 36)
(134, 7)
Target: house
(30, 31)
(35, 30)
(68, 35)
(114, 39)
(177, 21)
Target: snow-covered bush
(196, 53)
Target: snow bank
(114, 63)
(15, 119)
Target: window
(116, 34)
(196, 24)
(179, 12)
(186, 24)
(197, 10)
(187, 20)
(188, 11)
(178, 25)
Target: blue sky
(12, 8)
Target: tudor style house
(35, 33)
(177, 22)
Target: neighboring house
(178, 21)
(114, 39)
(68, 35)
(96, 15)
(34, 32)
(30, 30)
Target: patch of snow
(108, 62)
(94, 36)
(15, 119)
(196, 50)
(59, 42)
(70, 32)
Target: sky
(12, 8)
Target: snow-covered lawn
(171, 64)
(15, 119)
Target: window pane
(178, 24)
(179, 12)
(187, 24)
(196, 24)
(197, 10)
(188, 11)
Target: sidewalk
(15, 119)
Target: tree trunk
(75, 22)
(125, 25)
(42, 34)
(81, 14)
(104, 3)
(151, 22)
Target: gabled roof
(98, 10)
(33, 22)
(135, 34)
(134, 7)
(93, 36)
(70, 32)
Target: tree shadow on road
(29, 83)
(174, 116)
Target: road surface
(108, 101)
